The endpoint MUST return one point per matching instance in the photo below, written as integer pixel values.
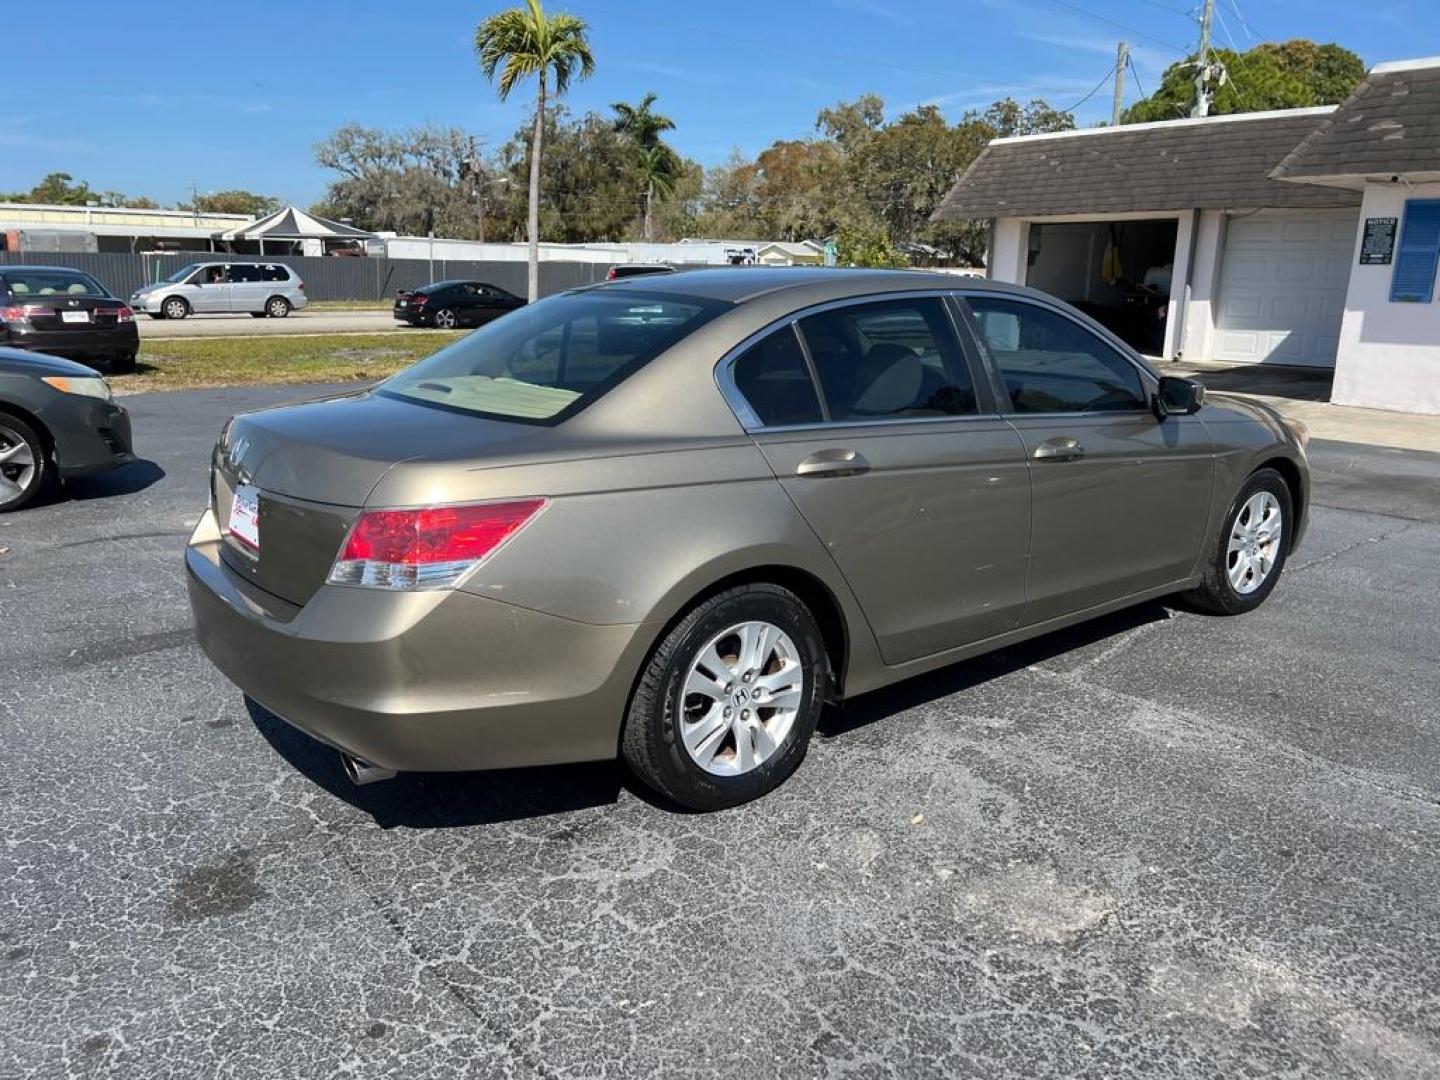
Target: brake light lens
(610, 274)
(24, 313)
(418, 299)
(429, 548)
(124, 314)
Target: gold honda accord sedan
(670, 519)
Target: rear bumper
(91, 343)
(90, 435)
(426, 681)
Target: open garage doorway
(1117, 272)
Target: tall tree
(1293, 74)
(517, 44)
(656, 162)
(232, 202)
(62, 189)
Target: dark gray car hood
(20, 362)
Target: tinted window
(274, 273)
(56, 282)
(210, 275)
(243, 273)
(550, 359)
(772, 377)
(894, 358)
(1053, 364)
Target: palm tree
(655, 161)
(521, 42)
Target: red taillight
(300, 285)
(610, 274)
(124, 314)
(13, 314)
(418, 299)
(429, 548)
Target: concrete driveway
(304, 321)
(1161, 845)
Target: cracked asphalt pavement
(1160, 845)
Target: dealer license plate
(245, 516)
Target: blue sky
(150, 98)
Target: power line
(1095, 90)
(1123, 26)
(1130, 62)
(1249, 33)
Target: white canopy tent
(293, 224)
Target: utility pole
(1122, 54)
(1203, 70)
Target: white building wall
(1007, 261)
(1389, 355)
(1199, 318)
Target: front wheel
(24, 469)
(1246, 559)
(175, 308)
(726, 705)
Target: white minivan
(260, 288)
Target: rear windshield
(51, 283)
(546, 362)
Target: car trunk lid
(312, 466)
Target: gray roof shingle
(1389, 125)
(1215, 164)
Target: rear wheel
(1247, 558)
(728, 700)
(24, 468)
(123, 365)
(446, 319)
(175, 307)
(277, 307)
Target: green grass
(196, 363)
(350, 305)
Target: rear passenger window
(274, 273)
(1053, 364)
(773, 378)
(890, 359)
(241, 274)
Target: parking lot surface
(297, 322)
(1160, 845)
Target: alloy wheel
(1254, 545)
(17, 465)
(176, 309)
(279, 308)
(445, 319)
(740, 698)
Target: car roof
(7, 267)
(739, 284)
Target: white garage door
(1282, 287)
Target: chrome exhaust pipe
(362, 772)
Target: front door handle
(835, 462)
(1059, 450)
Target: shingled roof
(1389, 126)
(1218, 163)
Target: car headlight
(85, 386)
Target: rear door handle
(1059, 450)
(833, 463)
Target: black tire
(175, 307)
(651, 742)
(277, 307)
(31, 478)
(257, 314)
(1216, 593)
(123, 365)
(447, 319)
(157, 316)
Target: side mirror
(1178, 397)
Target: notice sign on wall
(1378, 246)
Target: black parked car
(57, 421)
(63, 312)
(447, 305)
